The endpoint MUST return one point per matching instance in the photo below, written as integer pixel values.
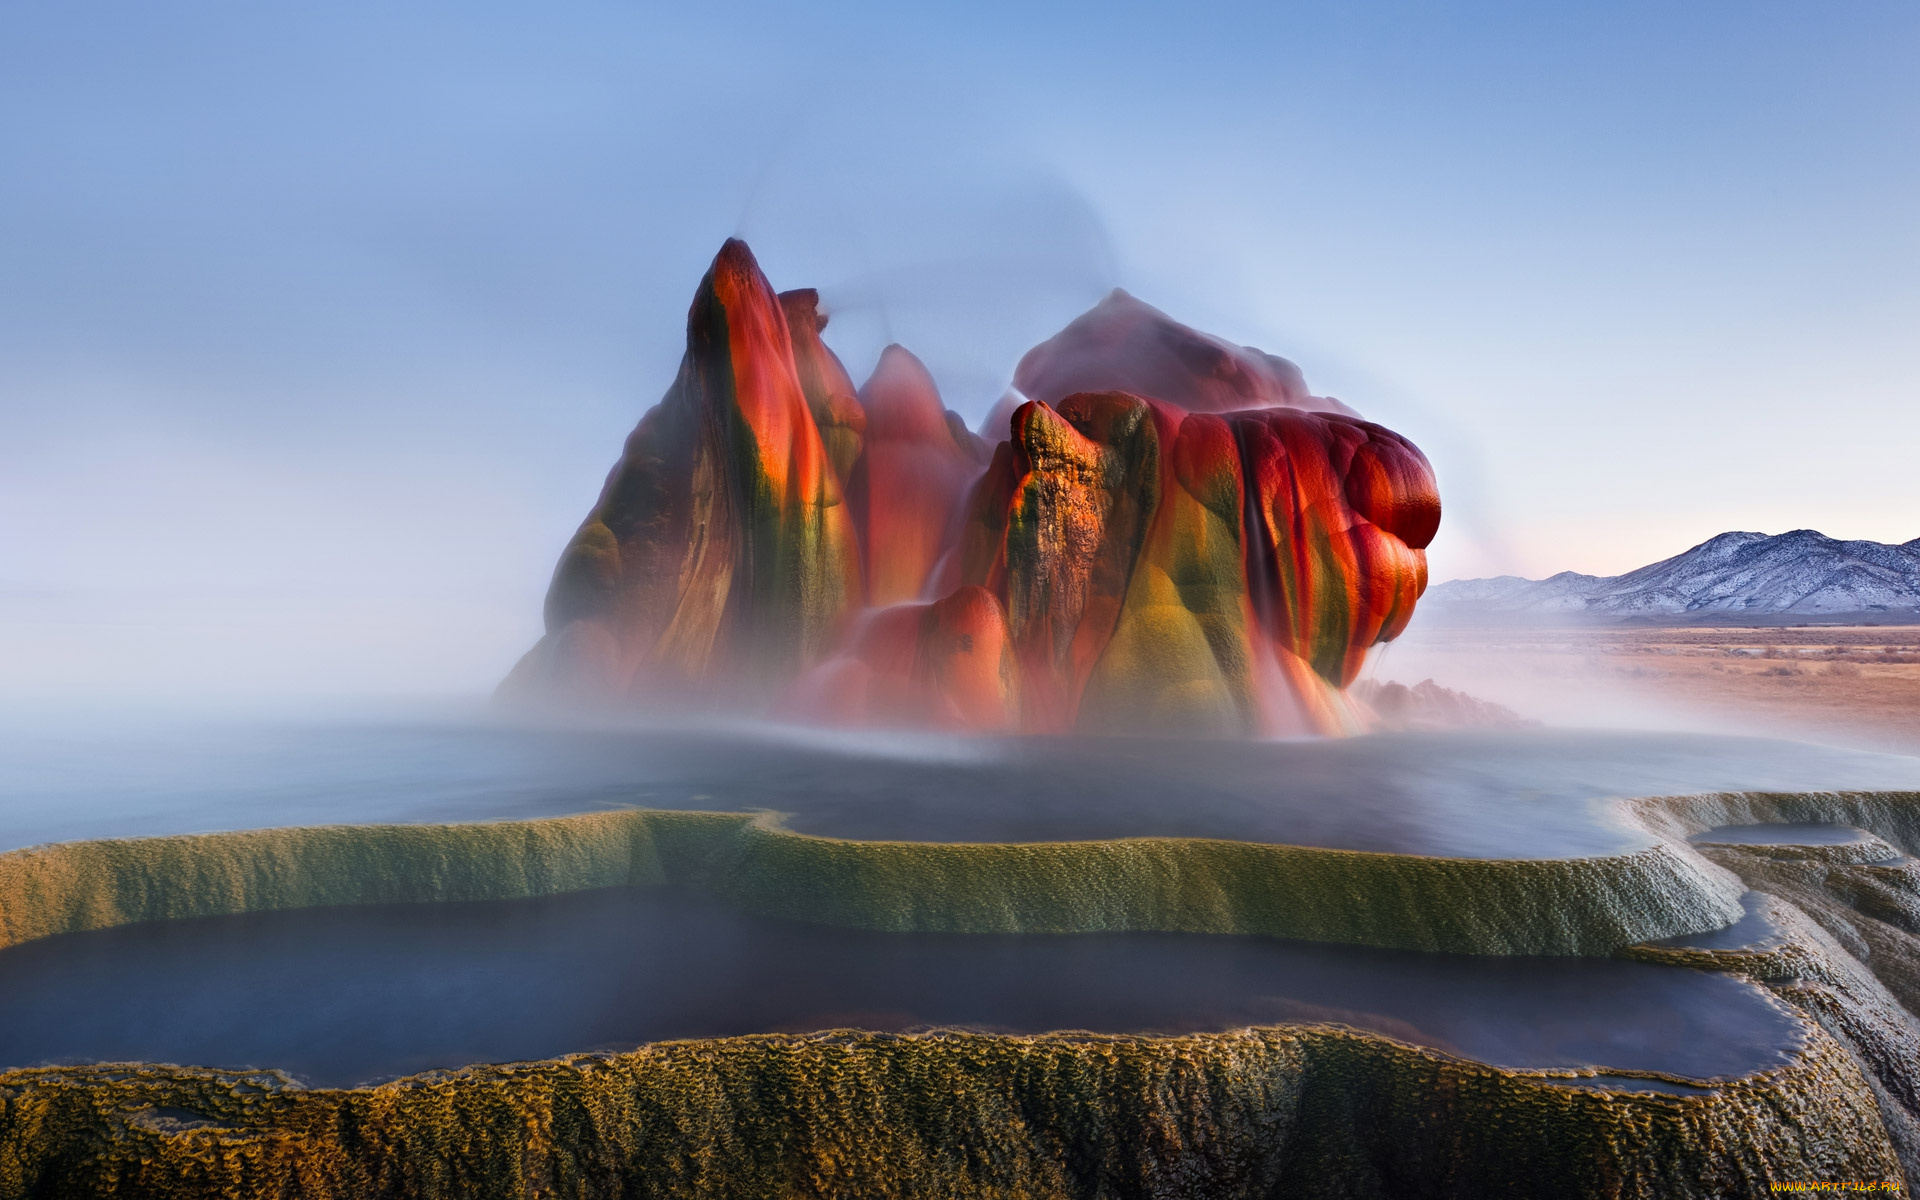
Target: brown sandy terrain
(1854, 684)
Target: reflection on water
(1481, 794)
(1783, 833)
(340, 996)
(1751, 930)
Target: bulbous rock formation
(1123, 344)
(1197, 572)
(1175, 536)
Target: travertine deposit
(1302, 1109)
(1173, 536)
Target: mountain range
(1741, 577)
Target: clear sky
(320, 324)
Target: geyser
(1173, 537)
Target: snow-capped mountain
(1754, 574)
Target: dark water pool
(1753, 929)
(346, 995)
(1784, 833)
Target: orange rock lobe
(1196, 571)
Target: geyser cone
(720, 550)
(911, 478)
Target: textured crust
(1292, 1110)
(1486, 906)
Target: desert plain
(1851, 684)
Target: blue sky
(319, 325)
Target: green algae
(1592, 905)
(1398, 901)
(1294, 1110)
(73, 886)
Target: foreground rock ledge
(1291, 1110)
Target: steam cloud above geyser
(1174, 536)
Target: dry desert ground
(1855, 684)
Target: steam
(967, 265)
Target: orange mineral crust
(1197, 572)
(829, 389)
(1173, 537)
(720, 552)
(943, 665)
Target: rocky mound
(1197, 553)
(1427, 705)
(1123, 344)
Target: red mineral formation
(944, 665)
(918, 462)
(1339, 513)
(720, 552)
(829, 389)
(1124, 345)
(1174, 536)
(1172, 571)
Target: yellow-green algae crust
(1285, 1111)
(1591, 905)
(1545, 906)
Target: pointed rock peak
(735, 278)
(1120, 300)
(902, 399)
(735, 256)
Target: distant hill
(1735, 577)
